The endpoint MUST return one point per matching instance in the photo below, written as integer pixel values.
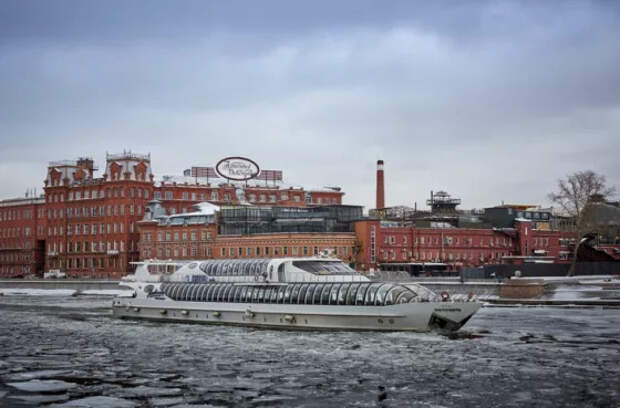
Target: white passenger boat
(289, 293)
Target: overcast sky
(491, 101)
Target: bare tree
(573, 195)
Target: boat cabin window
(381, 294)
(361, 293)
(203, 293)
(309, 294)
(320, 267)
(192, 293)
(287, 294)
(351, 293)
(333, 298)
(342, 293)
(281, 291)
(234, 294)
(302, 293)
(295, 293)
(186, 289)
(370, 294)
(325, 294)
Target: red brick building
(194, 235)
(91, 222)
(86, 226)
(384, 242)
(22, 237)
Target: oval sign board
(237, 168)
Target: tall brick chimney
(380, 187)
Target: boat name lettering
(447, 310)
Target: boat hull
(418, 316)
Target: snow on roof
(203, 208)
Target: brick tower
(380, 187)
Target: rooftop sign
(237, 168)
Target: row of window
(86, 263)
(262, 198)
(178, 252)
(87, 246)
(86, 229)
(276, 251)
(168, 236)
(12, 215)
(14, 244)
(10, 257)
(246, 267)
(437, 256)
(361, 294)
(447, 240)
(15, 232)
(97, 211)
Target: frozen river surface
(69, 351)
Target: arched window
(191, 293)
(302, 293)
(310, 293)
(370, 294)
(325, 294)
(342, 293)
(295, 293)
(281, 290)
(210, 292)
(242, 294)
(361, 293)
(353, 289)
(203, 292)
(234, 294)
(381, 293)
(333, 296)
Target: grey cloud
(488, 100)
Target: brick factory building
(22, 236)
(403, 238)
(386, 242)
(89, 226)
(210, 232)
(86, 226)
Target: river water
(68, 351)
